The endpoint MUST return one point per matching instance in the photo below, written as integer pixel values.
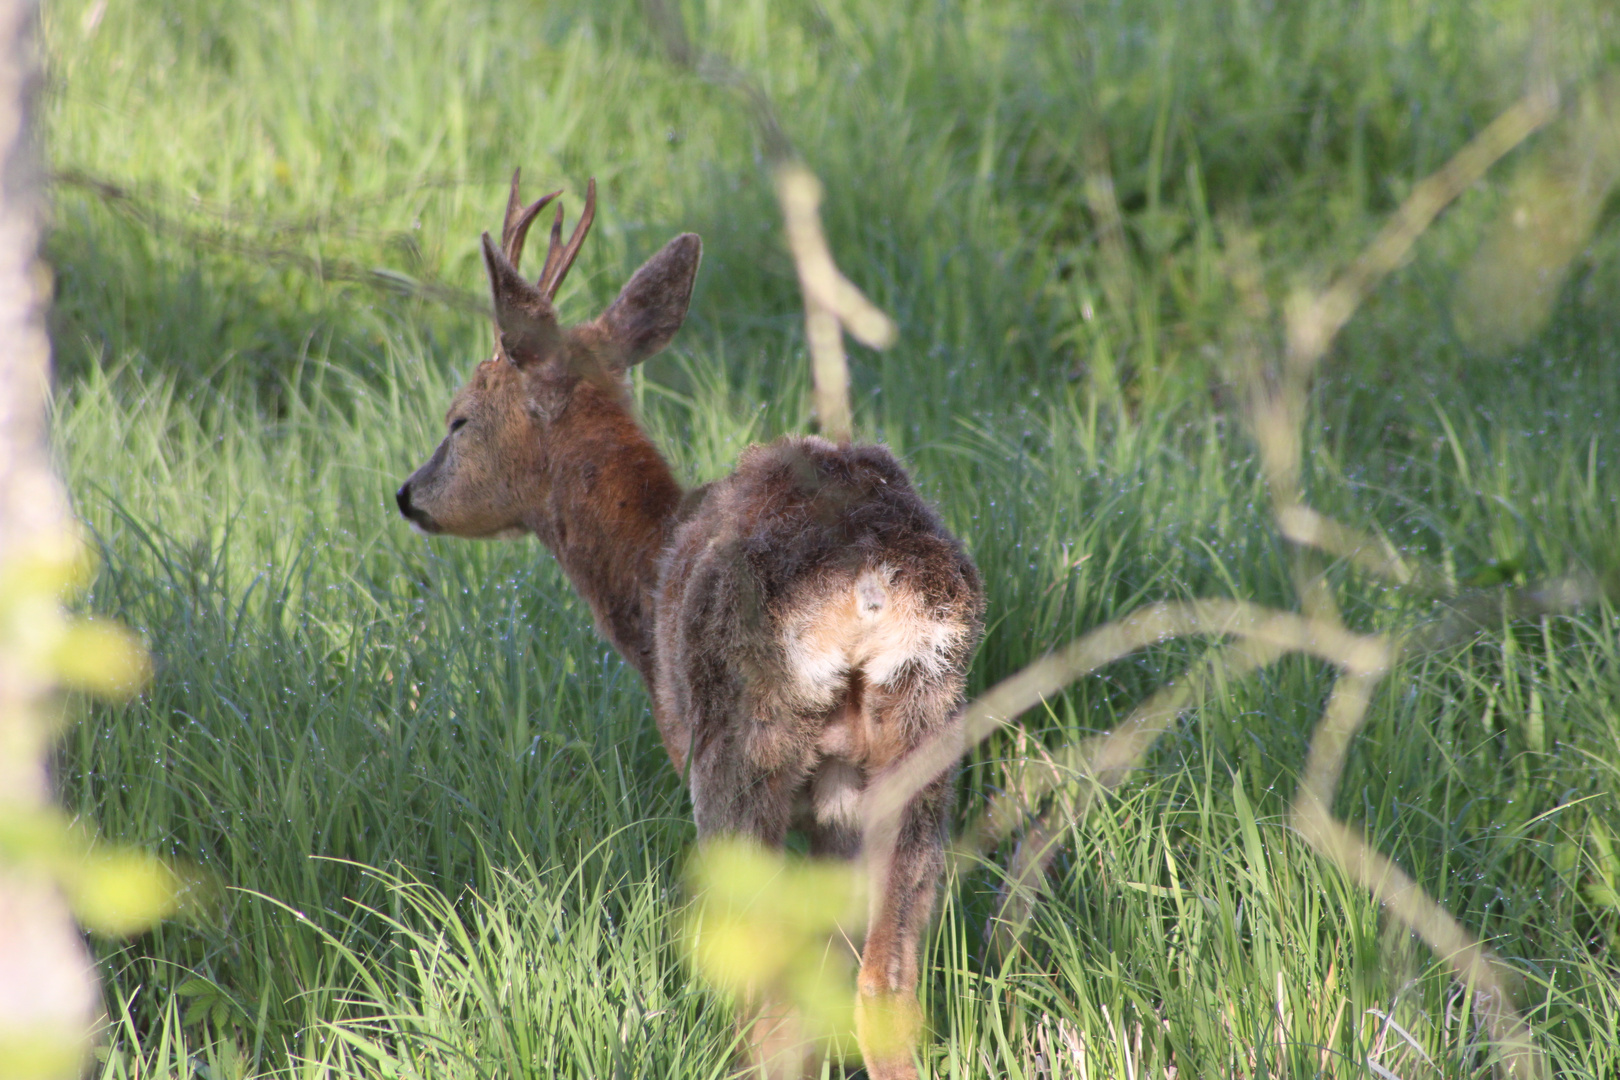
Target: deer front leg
(905, 873)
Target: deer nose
(420, 519)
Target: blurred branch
(1102, 762)
(1475, 965)
(1464, 617)
(1153, 624)
(1096, 766)
(832, 305)
(1307, 528)
(1278, 416)
(1314, 321)
(230, 236)
(1276, 396)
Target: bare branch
(1314, 321)
(1306, 527)
(831, 303)
(1474, 964)
(1277, 405)
(1096, 766)
(1152, 624)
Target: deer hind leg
(744, 785)
(905, 867)
(905, 875)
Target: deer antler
(559, 259)
(518, 219)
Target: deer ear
(525, 321)
(652, 305)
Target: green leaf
(61, 568)
(195, 1013)
(122, 892)
(1602, 895)
(41, 1055)
(102, 658)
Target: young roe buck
(801, 624)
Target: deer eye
(457, 424)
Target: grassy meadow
(437, 833)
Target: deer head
(532, 416)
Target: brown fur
(801, 624)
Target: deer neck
(607, 520)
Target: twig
(1096, 766)
(831, 303)
(234, 240)
(1152, 624)
(1313, 322)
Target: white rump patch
(908, 640)
(817, 660)
(879, 626)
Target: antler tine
(513, 208)
(513, 245)
(518, 219)
(559, 262)
(554, 249)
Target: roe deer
(800, 624)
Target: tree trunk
(49, 1000)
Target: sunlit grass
(331, 687)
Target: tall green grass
(444, 836)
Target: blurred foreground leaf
(39, 1055)
(112, 889)
(102, 658)
(122, 891)
(765, 925)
